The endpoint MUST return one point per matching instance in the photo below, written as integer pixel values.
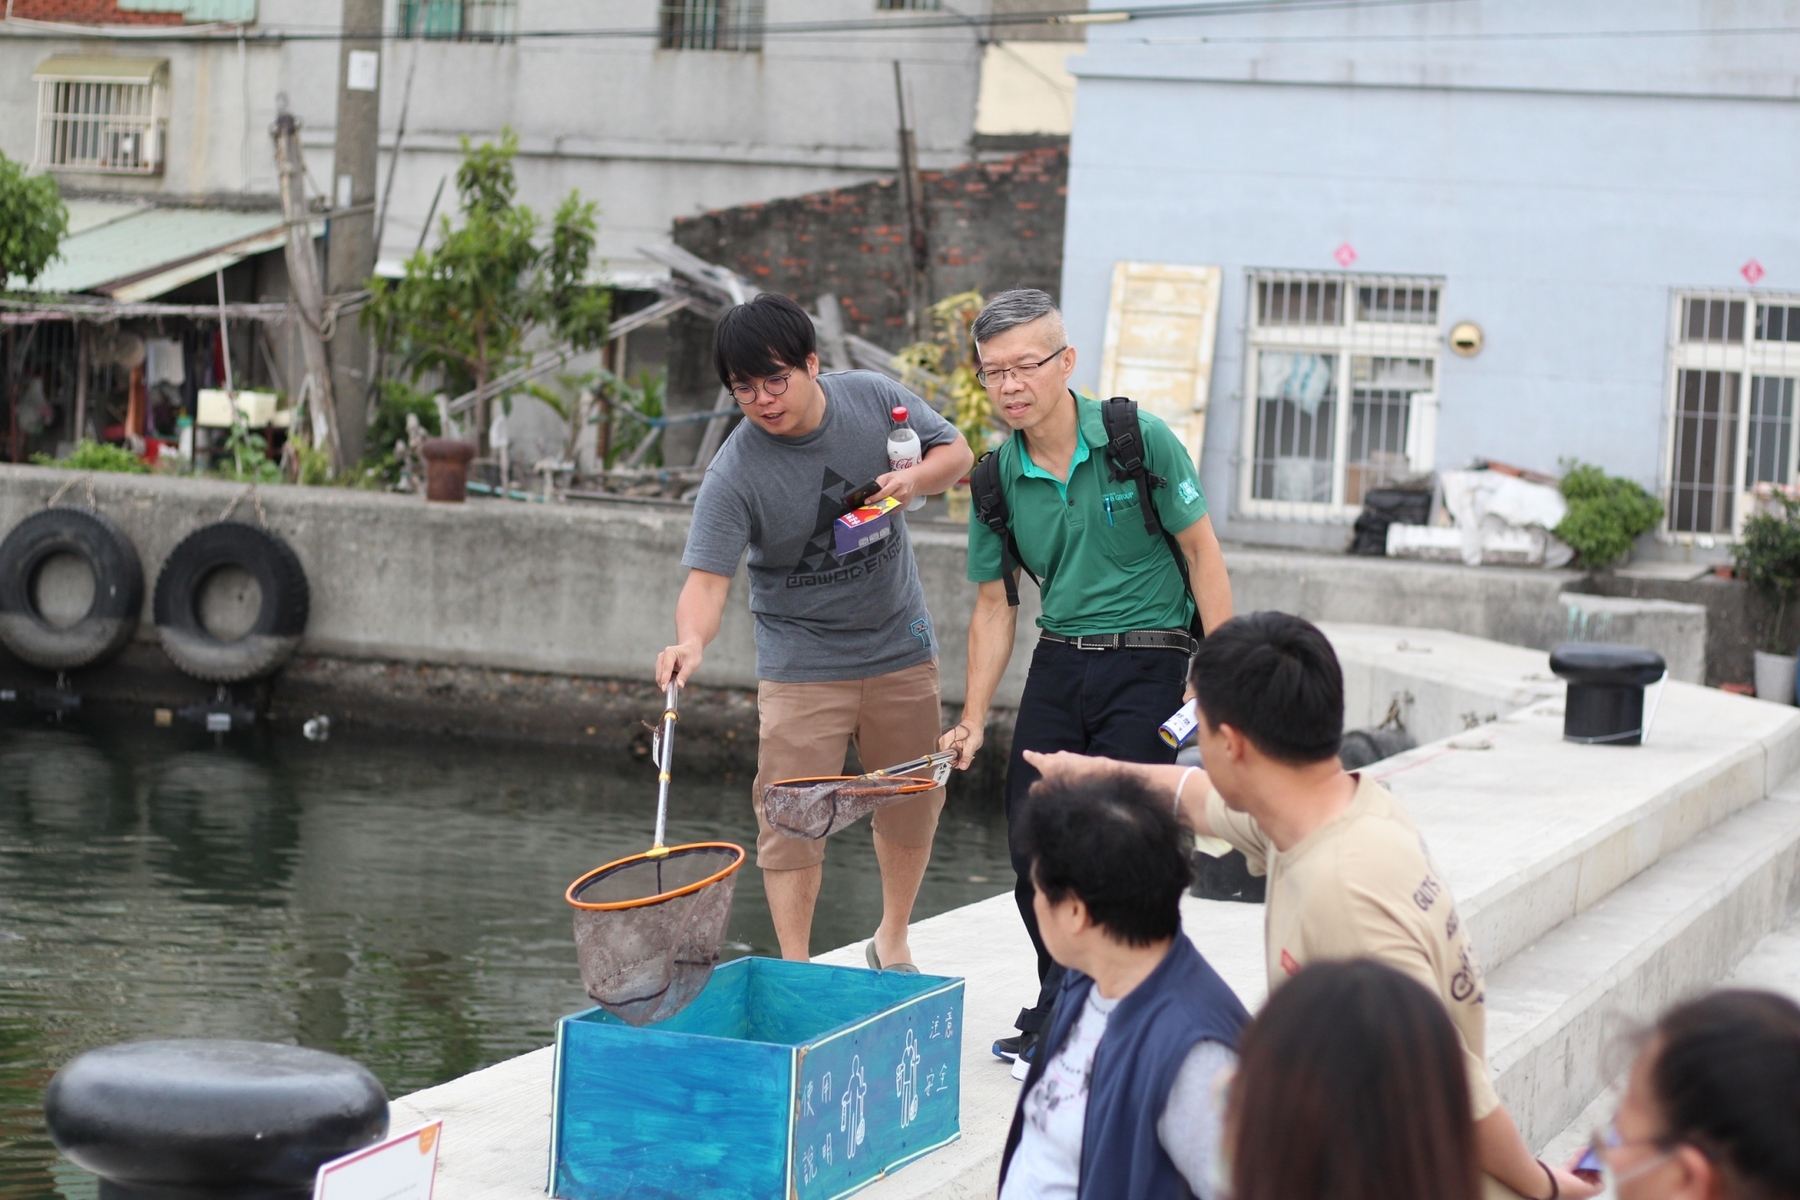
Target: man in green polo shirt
(1111, 663)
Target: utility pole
(350, 257)
(304, 289)
(918, 252)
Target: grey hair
(1017, 307)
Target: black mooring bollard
(211, 1120)
(1605, 704)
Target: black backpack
(1125, 459)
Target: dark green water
(397, 901)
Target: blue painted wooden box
(781, 1079)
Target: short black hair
(1274, 678)
(1726, 1074)
(1115, 845)
(764, 337)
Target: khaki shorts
(806, 729)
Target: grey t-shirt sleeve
(931, 427)
(1189, 1126)
(720, 529)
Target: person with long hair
(1711, 1109)
(1351, 1086)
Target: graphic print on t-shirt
(819, 562)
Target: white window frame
(1749, 359)
(102, 116)
(1348, 339)
(731, 25)
(474, 20)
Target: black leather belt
(1137, 639)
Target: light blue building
(1607, 192)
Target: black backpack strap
(988, 504)
(1125, 449)
(1125, 453)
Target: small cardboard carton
(864, 526)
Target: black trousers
(1105, 702)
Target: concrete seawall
(486, 597)
(567, 589)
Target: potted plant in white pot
(1767, 557)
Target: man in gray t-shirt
(844, 645)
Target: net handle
(666, 755)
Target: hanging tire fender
(280, 619)
(112, 617)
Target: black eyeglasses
(994, 376)
(774, 385)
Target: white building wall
(649, 134)
(1563, 186)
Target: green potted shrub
(1606, 515)
(1767, 557)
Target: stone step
(1530, 830)
(1773, 965)
(1556, 1007)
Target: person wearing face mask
(1711, 1109)
(1351, 1086)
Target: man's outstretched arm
(1191, 782)
(697, 616)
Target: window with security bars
(908, 5)
(460, 20)
(1342, 373)
(1734, 361)
(712, 24)
(107, 116)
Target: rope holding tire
(112, 616)
(280, 619)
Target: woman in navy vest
(1121, 1099)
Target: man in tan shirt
(1349, 874)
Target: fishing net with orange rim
(819, 806)
(648, 927)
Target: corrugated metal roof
(91, 214)
(100, 68)
(147, 253)
(194, 11)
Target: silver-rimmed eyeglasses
(994, 376)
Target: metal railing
(711, 25)
(1340, 386)
(111, 127)
(460, 20)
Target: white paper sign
(365, 69)
(401, 1168)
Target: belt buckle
(1081, 643)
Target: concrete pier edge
(1602, 883)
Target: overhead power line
(1522, 35)
(897, 24)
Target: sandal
(874, 961)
